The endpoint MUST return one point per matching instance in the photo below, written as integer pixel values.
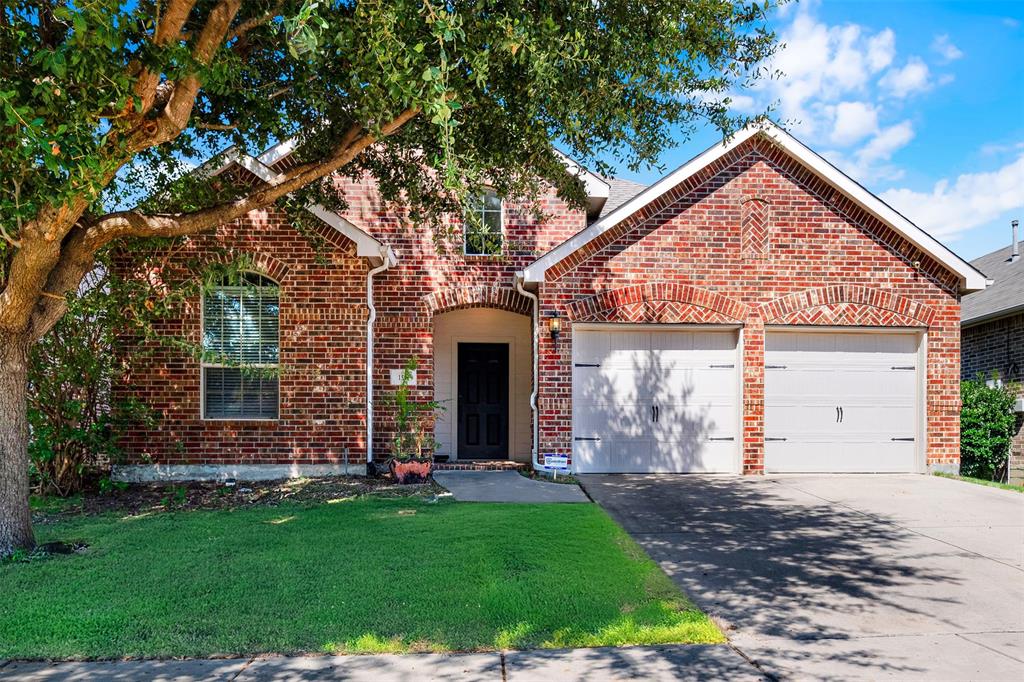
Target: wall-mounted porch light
(554, 326)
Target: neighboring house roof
(1004, 297)
(619, 192)
(970, 278)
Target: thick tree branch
(168, 29)
(250, 24)
(77, 254)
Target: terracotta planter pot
(411, 471)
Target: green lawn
(982, 481)
(364, 575)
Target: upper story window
(483, 236)
(241, 341)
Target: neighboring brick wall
(701, 253)
(998, 347)
(323, 354)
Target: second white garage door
(841, 402)
(655, 400)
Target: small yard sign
(556, 461)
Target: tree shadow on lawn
(774, 562)
(358, 576)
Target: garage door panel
(841, 402)
(600, 419)
(697, 456)
(690, 376)
(846, 457)
(694, 385)
(683, 421)
(613, 455)
(610, 384)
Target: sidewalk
(682, 662)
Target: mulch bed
(149, 497)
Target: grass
(359, 576)
(982, 481)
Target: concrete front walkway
(842, 577)
(505, 486)
(629, 663)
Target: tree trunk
(15, 517)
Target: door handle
(842, 415)
(837, 414)
(652, 413)
(657, 413)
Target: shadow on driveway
(809, 586)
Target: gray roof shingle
(1005, 294)
(619, 192)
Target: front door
(482, 409)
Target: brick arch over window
(665, 302)
(847, 305)
(458, 298)
(261, 262)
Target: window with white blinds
(241, 341)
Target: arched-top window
(241, 345)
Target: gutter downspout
(386, 257)
(518, 280)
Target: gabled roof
(367, 246)
(970, 278)
(1004, 297)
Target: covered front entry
(655, 399)
(842, 401)
(483, 376)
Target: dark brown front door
(483, 401)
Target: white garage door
(655, 400)
(841, 402)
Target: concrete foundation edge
(944, 468)
(150, 473)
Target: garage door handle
(722, 438)
(587, 364)
(722, 366)
(586, 438)
(774, 439)
(775, 367)
(908, 440)
(903, 367)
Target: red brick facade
(752, 240)
(816, 260)
(322, 358)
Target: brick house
(992, 334)
(754, 310)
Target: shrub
(986, 429)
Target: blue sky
(921, 101)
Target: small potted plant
(412, 445)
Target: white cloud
(911, 78)
(844, 87)
(881, 49)
(853, 122)
(972, 200)
(946, 49)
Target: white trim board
(970, 278)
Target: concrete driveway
(841, 577)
